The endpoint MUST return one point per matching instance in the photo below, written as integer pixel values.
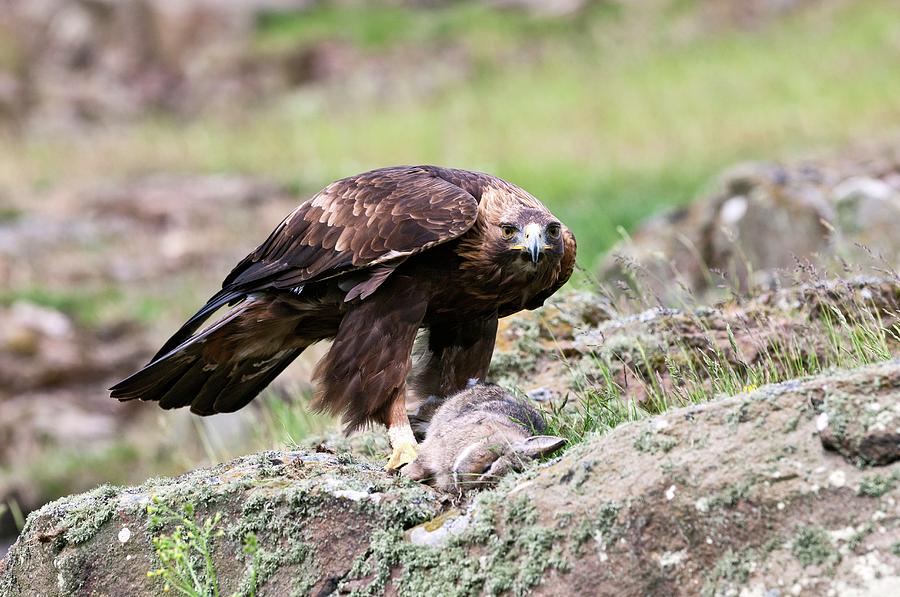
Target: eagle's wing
(358, 222)
(370, 221)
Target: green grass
(85, 307)
(186, 555)
(92, 305)
(285, 423)
(62, 473)
(607, 124)
(9, 214)
(15, 511)
(845, 335)
(280, 421)
(374, 27)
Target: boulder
(314, 514)
(763, 223)
(744, 495)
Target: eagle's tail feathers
(203, 400)
(153, 381)
(185, 378)
(182, 392)
(250, 378)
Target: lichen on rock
(733, 503)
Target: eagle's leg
(363, 376)
(401, 435)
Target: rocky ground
(727, 387)
(789, 489)
(661, 356)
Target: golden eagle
(368, 262)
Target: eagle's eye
(553, 231)
(508, 231)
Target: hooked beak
(533, 242)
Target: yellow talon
(404, 453)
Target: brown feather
(367, 261)
(378, 216)
(216, 370)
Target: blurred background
(147, 145)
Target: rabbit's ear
(538, 445)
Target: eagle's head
(529, 239)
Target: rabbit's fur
(476, 436)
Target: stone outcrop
(579, 343)
(764, 222)
(770, 491)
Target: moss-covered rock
(760, 221)
(311, 514)
(743, 496)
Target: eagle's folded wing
(355, 223)
(379, 217)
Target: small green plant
(860, 535)
(254, 554)
(733, 568)
(597, 407)
(9, 214)
(877, 485)
(185, 555)
(12, 506)
(812, 546)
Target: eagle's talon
(403, 454)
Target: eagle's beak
(533, 242)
